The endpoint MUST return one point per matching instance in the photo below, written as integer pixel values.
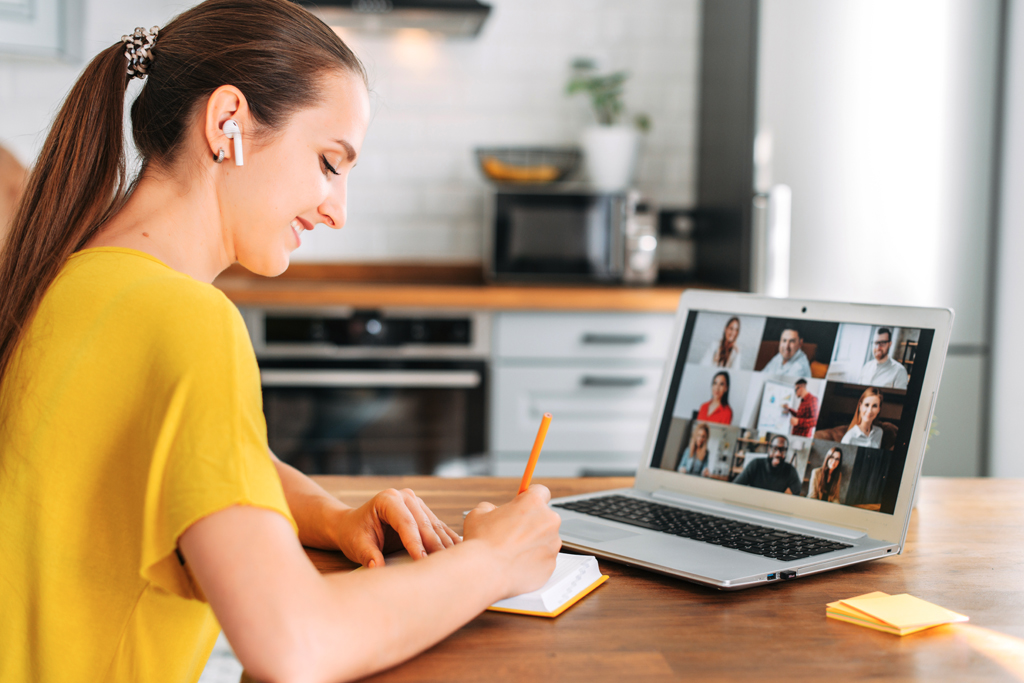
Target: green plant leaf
(605, 91)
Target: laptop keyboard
(728, 533)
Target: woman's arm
(390, 520)
(286, 622)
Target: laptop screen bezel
(878, 525)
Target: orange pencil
(538, 443)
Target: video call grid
(801, 407)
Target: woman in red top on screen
(717, 409)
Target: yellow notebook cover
(574, 577)
(579, 596)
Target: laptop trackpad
(590, 531)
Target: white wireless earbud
(234, 133)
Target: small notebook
(897, 614)
(575, 576)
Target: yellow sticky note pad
(897, 614)
(903, 611)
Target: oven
(382, 392)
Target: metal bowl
(534, 165)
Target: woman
(862, 430)
(717, 409)
(140, 504)
(827, 480)
(724, 353)
(695, 457)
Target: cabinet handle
(610, 382)
(599, 338)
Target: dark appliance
(373, 392)
(454, 18)
(568, 233)
(737, 236)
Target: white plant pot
(610, 156)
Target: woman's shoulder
(129, 277)
(131, 289)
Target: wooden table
(965, 551)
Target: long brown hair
(870, 391)
(693, 439)
(728, 382)
(274, 51)
(724, 347)
(829, 481)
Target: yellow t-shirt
(131, 409)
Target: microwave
(570, 234)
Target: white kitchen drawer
(595, 408)
(581, 336)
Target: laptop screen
(809, 408)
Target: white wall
(31, 90)
(416, 193)
(1007, 453)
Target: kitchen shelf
(251, 292)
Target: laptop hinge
(737, 510)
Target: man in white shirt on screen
(883, 371)
(790, 360)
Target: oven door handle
(420, 379)
(613, 338)
(608, 382)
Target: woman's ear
(226, 103)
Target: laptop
(787, 440)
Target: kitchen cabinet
(41, 28)
(597, 373)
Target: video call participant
(805, 417)
(791, 359)
(717, 409)
(725, 353)
(863, 431)
(695, 457)
(827, 480)
(883, 371)
(772, 473)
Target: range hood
(456, 18)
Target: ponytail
(77, 183)
(274, 51)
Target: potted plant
(610, 147)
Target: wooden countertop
(408, 286)
(964, 551)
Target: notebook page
(569, 577)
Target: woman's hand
(387, 522)
(524, 534)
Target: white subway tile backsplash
(417, 192)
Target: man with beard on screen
(772, 473)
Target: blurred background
(861, 150)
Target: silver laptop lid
(810, 409)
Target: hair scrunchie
(138, 47)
